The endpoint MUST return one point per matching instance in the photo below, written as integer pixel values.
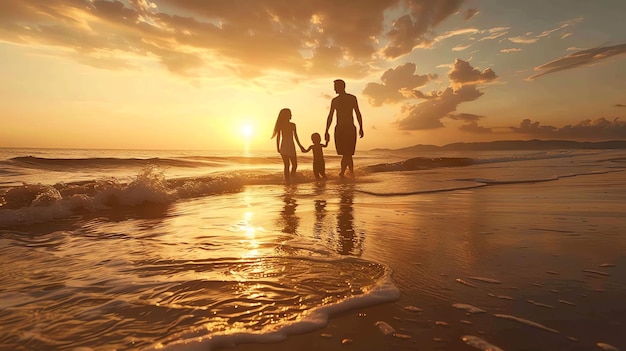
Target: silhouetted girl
(286, 132)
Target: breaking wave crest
(34, 203)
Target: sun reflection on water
(250, 243)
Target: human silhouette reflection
(320, 210)
(348, 242)
(288, 218)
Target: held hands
(327, 137)
(361, 132)
(302, 148)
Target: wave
(425, 163)
(32, 202)
(382, 291)
(35, 203)
(98, 162)
(60, 164)
(483, 182)
(180, 302)
(421, 163)
(422, 192)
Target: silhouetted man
(345, 130)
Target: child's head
(316, 138)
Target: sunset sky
(206, 74)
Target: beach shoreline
(544, 253)
(517, 250)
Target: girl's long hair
(283, 118)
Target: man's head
(340, 86)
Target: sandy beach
(516, 251)
(542, 263)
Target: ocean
(199, 250)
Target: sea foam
(37, 203)
(317, 318)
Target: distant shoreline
(534, 144)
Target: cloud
(428, 114)
(466, 117)
(579, 59)
(469, 13)
(523, 40)
(529, 38)
(506, 51)
(425, 96)
(495, 33)
(464, 80)
(457, 32)
(397, 83)
(599, 128)
(461, 47)
(620, 105)
(473, 127)
(462, 73)
(412, 30)
(563, 25)
(471, 123)
(326, 38)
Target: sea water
(127, 249)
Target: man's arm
(329, 120)
(358, 116)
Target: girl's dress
(287, 146)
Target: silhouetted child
(285, 133)
(318, 156)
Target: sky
(207, 74)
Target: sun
(247, 131)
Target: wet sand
(543, 263)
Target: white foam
(527, 322)
(486, 280)
(468, 308)
(607, 347)
(202, 339)
(402, 336)
(539, 304)
(606, 265)
(479, 343)
(465, 282)
(37, 203)
(503, 297)
(596, 272)
(385, 328)
(412, 309)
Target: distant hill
(517, 145)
